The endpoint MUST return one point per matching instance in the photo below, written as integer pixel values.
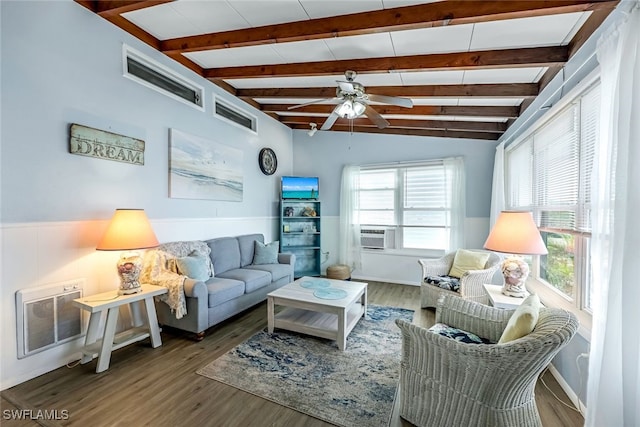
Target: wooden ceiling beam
(596, 19)
(111, 11)
(507, 90)
(493, 127)
(411, 132)
(484, 59)
(421, 110)
(402, 18)
(107, 8)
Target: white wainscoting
(37, 254)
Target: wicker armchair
(444, 382)
(470, 283)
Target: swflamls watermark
(35, 414)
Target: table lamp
(129, 229)
(515, 233)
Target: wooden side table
(500, 300)
(110, 302)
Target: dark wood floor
(159, 387)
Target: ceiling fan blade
(308, 103)
(330, 120)
(375, 117)
(346, 86)
(392, 100)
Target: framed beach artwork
(203, 169)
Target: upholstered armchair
(470, 283)
(446, 382)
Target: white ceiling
(183, 18)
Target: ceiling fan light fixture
(359, 108)
(351, 109)
(346, 109)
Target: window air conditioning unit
(377, 238)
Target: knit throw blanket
(160, 269)
(155, 272)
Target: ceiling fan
(355, 102)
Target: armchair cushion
(458, 334)
(523, 320)
(467, 260)
(444, 282)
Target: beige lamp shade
(128, 229)
(515, 232)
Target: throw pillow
(468, 260)
(266, 254)
(193, 266)
(457, 334)
(523, 320)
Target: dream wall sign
(101, 144)
(203, 169)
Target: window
(146, 71)
(549, 173)
(233, 115)
(417, 200)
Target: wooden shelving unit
(300, 234)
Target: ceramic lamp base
(517, 291)
(129, 267)
(515, 271)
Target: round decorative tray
(330, 293)
(315, 283)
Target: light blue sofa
(237, 285)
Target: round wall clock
(268, 161)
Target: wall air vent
(234, 115)
(46, 316)
(152, 74)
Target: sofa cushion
(278, 271)
(225, 254)
(222, 290)
(266, 254)
(194, 267)
(247, 244)
(253, 279)
(186, 248)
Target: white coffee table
(308, 314)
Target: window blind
(589, 129)
(549, 173)
(556, 171)
(519, 171)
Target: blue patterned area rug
(355, 387)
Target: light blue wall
(62, 64)
(326, 153)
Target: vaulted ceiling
(470, 67)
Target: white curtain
(349, 241)
(497, 189)
(613, 397)
(454, 173)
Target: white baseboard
(568, 390)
